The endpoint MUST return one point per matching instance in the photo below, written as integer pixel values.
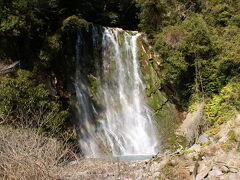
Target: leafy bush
(25, 103)
(236, 20)
(224, 105)
(72, 23)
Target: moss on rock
(164, 110)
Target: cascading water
(125, 127)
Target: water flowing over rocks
(125, 124)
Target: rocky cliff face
(165, 111)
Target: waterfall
(125, 126)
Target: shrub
(222, 107)
(25, 103)
(72, 23)
(222, 14)
(236, 20)
(27, 155)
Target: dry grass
(29, 156)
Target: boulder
(215, 173)
(190, 128)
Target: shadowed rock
(12, 67)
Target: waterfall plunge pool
(130, 157)
(133, 157)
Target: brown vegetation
(27, 155)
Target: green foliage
(196, 58)
(221, 13)
(228, 62)
(24, 26)
(196, 43)
(232, 136)
(236, 20)
(21, 16)
(27, 25)
(155, 15)
(94, 83)
(25, 103)
(172, 59)
(187, 53)
(49, 52)
(223, 106)
(72, 23)
(151, 15)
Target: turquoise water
(134, 158)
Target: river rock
(155, 167)
(215, 173)
(223, 139)
(233, 170)
(224, 169)
(156, 174)
(196, 148)
(203, 173)
(234, 176)
(203, 139)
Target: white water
(127, 126)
